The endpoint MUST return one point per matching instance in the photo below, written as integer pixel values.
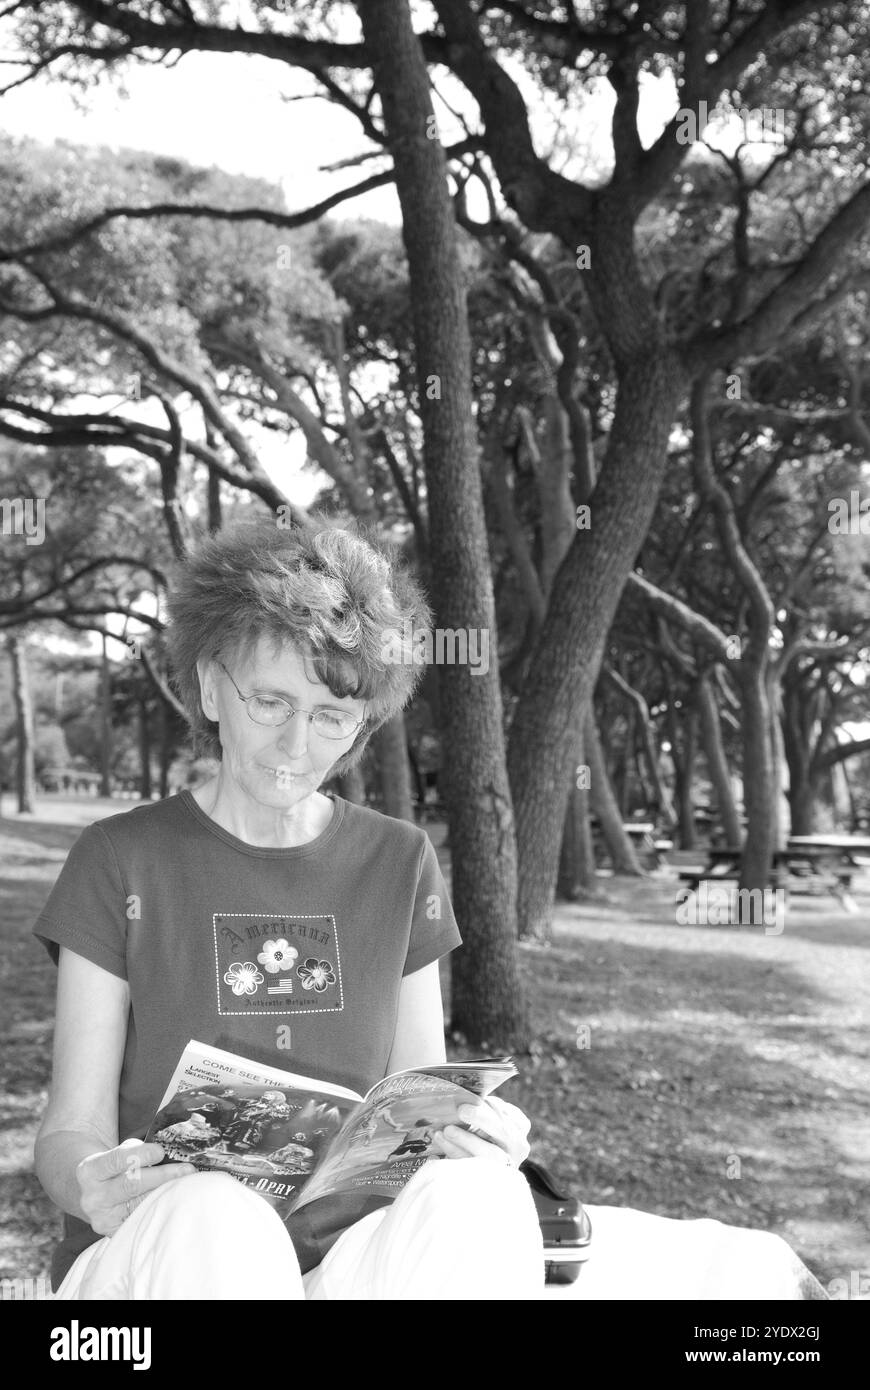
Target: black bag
(565, 1225)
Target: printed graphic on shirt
(277, 964)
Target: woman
(168, 922)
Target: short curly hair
(338, 597)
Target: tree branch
(699, 628)
(777, 313)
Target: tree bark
(487, 999)
(577, 857)
(759, 794)
(392, 754)
(25, 775)
(553, 706)
(717, 763)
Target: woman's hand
(113, 1183)
(497, 1130)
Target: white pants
(635, 1255)
(460, 1229)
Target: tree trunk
(660, 794)
(625, 764)
(213, 499)
(105, 724)
(760, 799)
(392, 753)
(796, 742)
(777, 755)
(759, 795)
(25, 775)
(554, 703)
(577, 857)
(717, 763)
(802, 804)
(684, 773)
(487, 999)
(622, 852)
(144, 752)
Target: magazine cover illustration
(270, 1139)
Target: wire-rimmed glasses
(272, 711)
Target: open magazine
(322, 1155)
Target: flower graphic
(243, 977)
(316, 974)
(277, 955)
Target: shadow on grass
(48, 835)
(701, 1084)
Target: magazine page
(266, 1127)
(480, 1075)
(388, 1137)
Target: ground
(689, 1071)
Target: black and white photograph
(435, 634)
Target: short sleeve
(433, 927)
(86, 910)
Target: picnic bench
(651, 846)
(821, 863)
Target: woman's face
(276, 766)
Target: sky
(186, 111)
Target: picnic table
(824, 863)
(646, 839)
(647, 842)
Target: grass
(689, 1071)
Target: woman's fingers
(130, 1157)
(486, 1129)
(501, 1124)
(453, 1141)
(115, 1182)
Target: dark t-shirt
(293, 957)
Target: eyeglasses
(272, 711)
